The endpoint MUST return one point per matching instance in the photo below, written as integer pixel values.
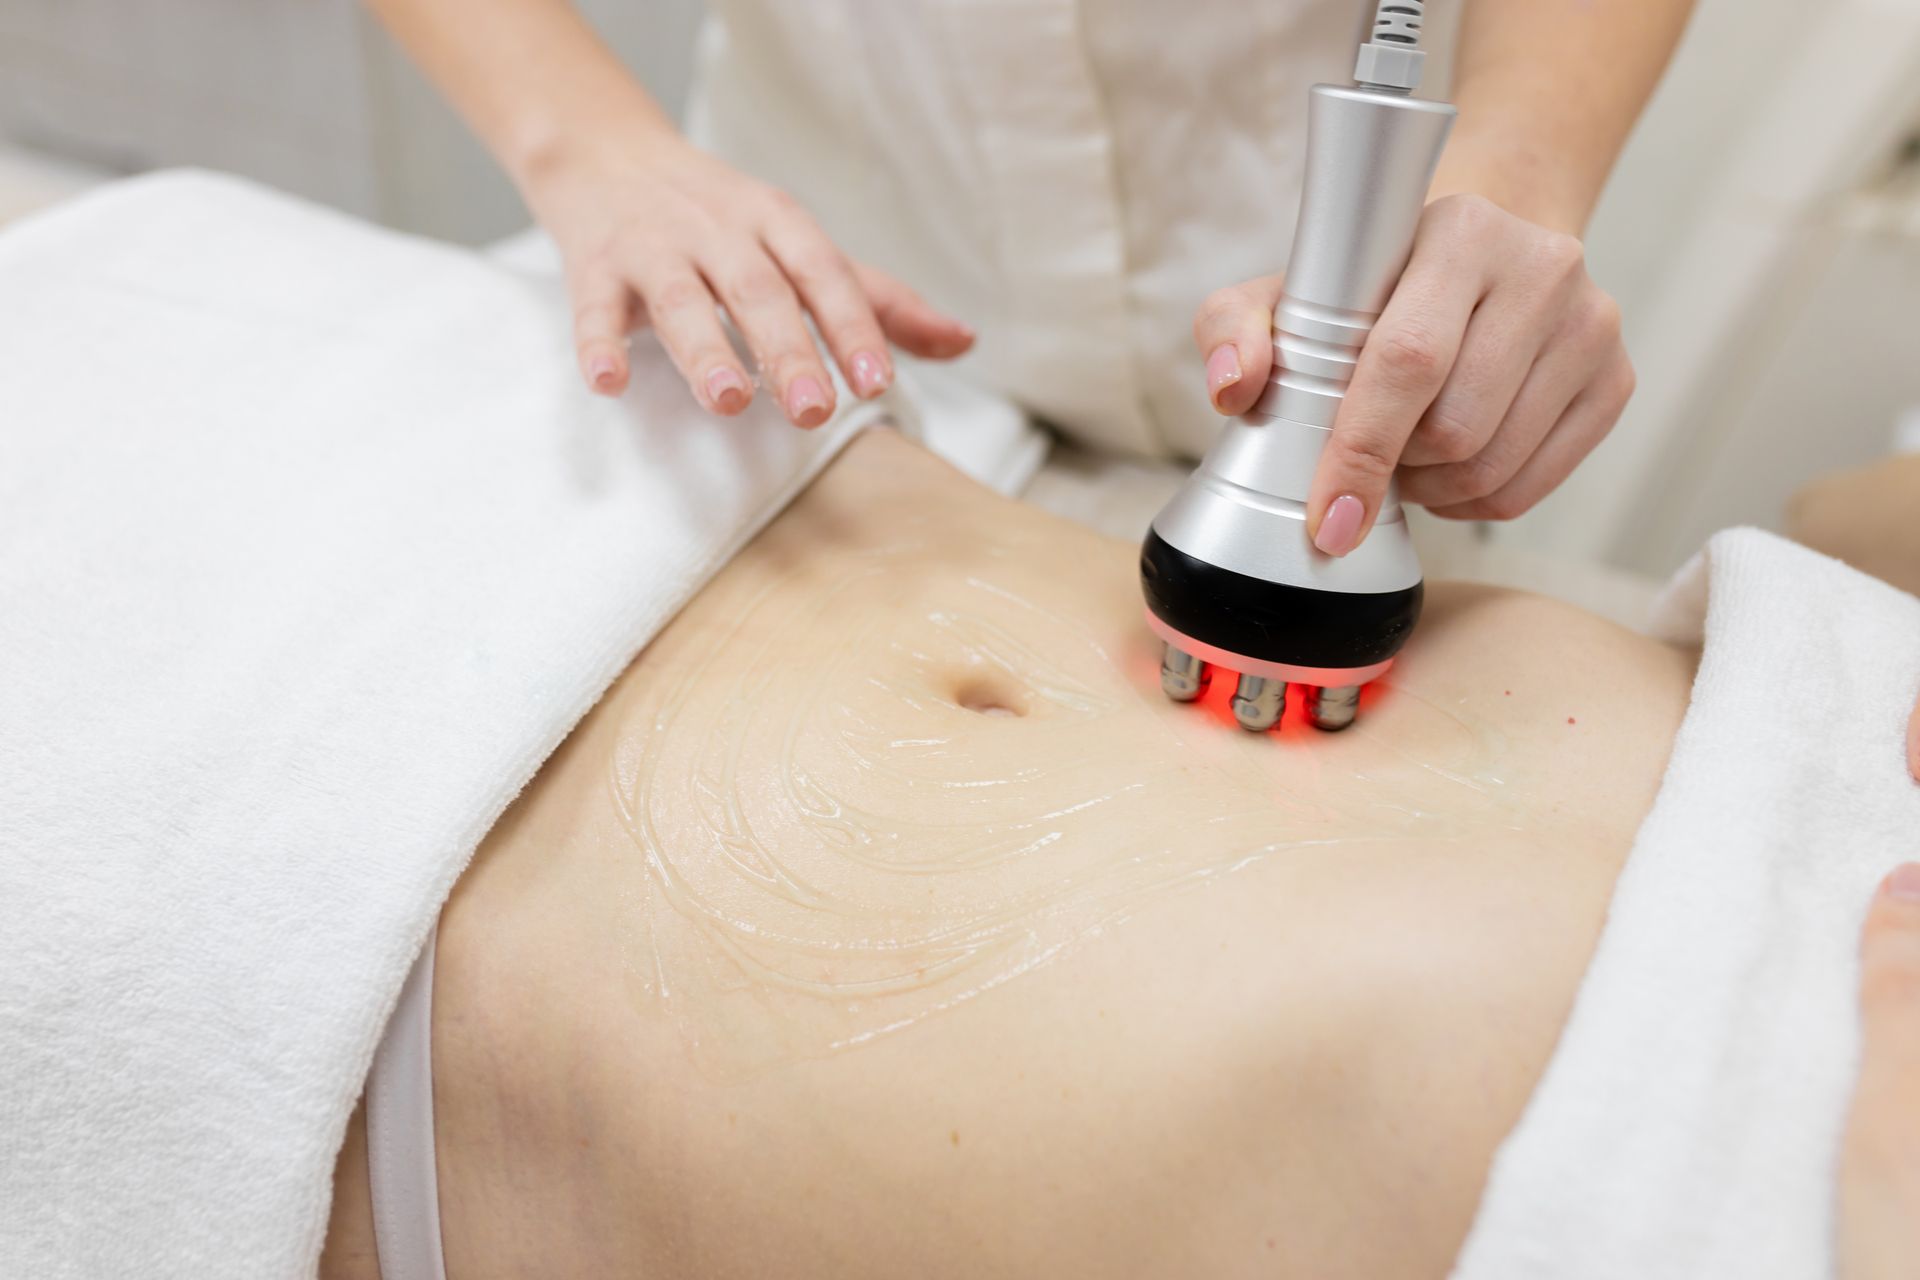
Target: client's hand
(1880, 1163)
(654, 230)
(1913, 742)
(1495, 368)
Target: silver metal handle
(1370, 157)
(1371, 154)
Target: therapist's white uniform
(1072, 177)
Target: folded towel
(311, 549)
(1689, 1123)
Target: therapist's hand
(1495, 368)
(1879, 1203)
(655, 231)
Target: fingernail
(1223, 369)
(728, 390)
(1904, 883)
(869, 374)
(1340, 527)
(807, 402)
(602, 372)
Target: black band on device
(1272, 621)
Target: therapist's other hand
(659, 232)
(1879, 1204)
(1495, 369)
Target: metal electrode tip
(1183, 676)
(1258, 703)
(1333, 709)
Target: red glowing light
(1326, 677)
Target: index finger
(1401, 369)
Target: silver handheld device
(1231, 577)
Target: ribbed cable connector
(1398, 22)
(1391, 57)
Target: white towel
(311, 549)
(1689, 1122)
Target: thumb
(1234, 331)
(1880, 1163)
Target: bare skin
(1865, 517)
(1289, 992)
(1880, 1163)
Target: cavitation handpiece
(1230, 575)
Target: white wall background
(434, 177)
(309, 95)
(1762, 233)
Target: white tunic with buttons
(1072, 177)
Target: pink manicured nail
(1904, 883)
(1340, 527)
(602, 372)
(728, 390)
(1223, 369)
(807, 402)
(869, 374)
